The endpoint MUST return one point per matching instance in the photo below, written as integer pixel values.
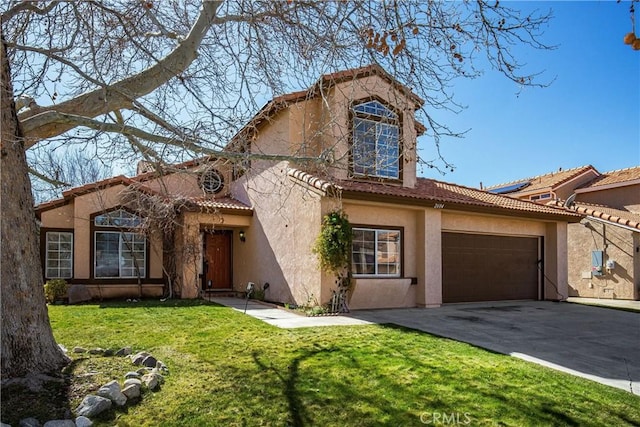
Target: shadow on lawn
(297, 411)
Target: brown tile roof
(614, 177)
(605, 213)
(548, 181)
(429, 192)
(222, 204)
(281, 102)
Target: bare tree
(170, 80)
(62, 171)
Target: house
(252, 214)
(604, 248)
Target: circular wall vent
(212, 181)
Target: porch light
(242, 236)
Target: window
(119, 218)
(59, 255)
(119, 254)
(541, 196)
(376, 252)
(376, 141)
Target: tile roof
(210, 203)
(615, 177)
(605, 213)
(547, 181)
(429, 192)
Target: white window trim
(46, 256)
(120, 276)
(375, 254)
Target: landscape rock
(60, 423)
(133, 381)
(30, 422)
(112, 391)
(139, 357)
(132, 391)
(131, 374)
(83, 422)
(96, 351)
(93, 405)
(144, 371)
(78, 294)
(124, 351)
(151, 381)
(5, 425)
(79, 350)
(149, 362)
(108, 352)
(63, 348)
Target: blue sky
(590, 114)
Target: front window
(119, 253)
(59, 255)
(376, 141)
(376, 252)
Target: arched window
(376, 141)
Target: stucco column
(556, 282)
(429, 258)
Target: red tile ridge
(577, 171)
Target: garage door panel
(488, 268)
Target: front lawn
(229, 369)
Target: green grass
(229, 369)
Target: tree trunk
(28, 345)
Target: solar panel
(510, 188)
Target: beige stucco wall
(383, 292)
(61, 217)
(278, 243)
(627, 197)
(619, 245)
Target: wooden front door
(217, 260)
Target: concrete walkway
(602, 302)
(281, 318)
(596, 343)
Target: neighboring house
(604, 249)
(417, 242)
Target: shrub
(55, 290)
(333, 244)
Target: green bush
(55, 290)
(333, 244)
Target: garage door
(478, 267)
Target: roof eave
(562, 215)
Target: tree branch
(122, 93)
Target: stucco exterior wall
(627, 197)
(283, 228)
(384, 292)
(61, 217)
(622, 282)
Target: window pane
(376, 252)
(59, 255)
(107, 254)
(375, 148)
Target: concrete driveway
(597, 343)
